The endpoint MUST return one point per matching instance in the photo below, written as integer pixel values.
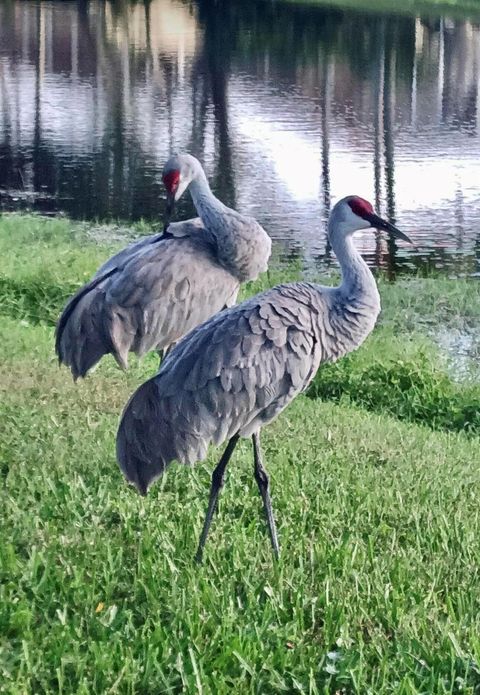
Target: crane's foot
(218, 479)
(263, 483)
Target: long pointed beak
(379, 223)
(169, 210)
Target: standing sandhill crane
(156, 290)
(241, 368)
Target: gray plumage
(236, 372)
(175, 229)
(157, 289)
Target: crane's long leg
(261, 477)
(217, 484)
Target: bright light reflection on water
(289, 106)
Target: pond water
(289, 106)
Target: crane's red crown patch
(171, 180)
(360, 206)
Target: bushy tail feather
(143, 452)
(81, 337)
(71, 305)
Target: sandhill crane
(153, 292)
(237, 371)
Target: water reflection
(289, 107)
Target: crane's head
(178, 173)
(353, 213)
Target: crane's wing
(231, 375)
(149, 298)
(175, 229)
(164, 292)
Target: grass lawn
(377, 590)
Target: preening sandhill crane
(156, 290)
(237, 371)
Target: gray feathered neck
(243, 245)
(358, 293)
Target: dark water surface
(289, 106)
